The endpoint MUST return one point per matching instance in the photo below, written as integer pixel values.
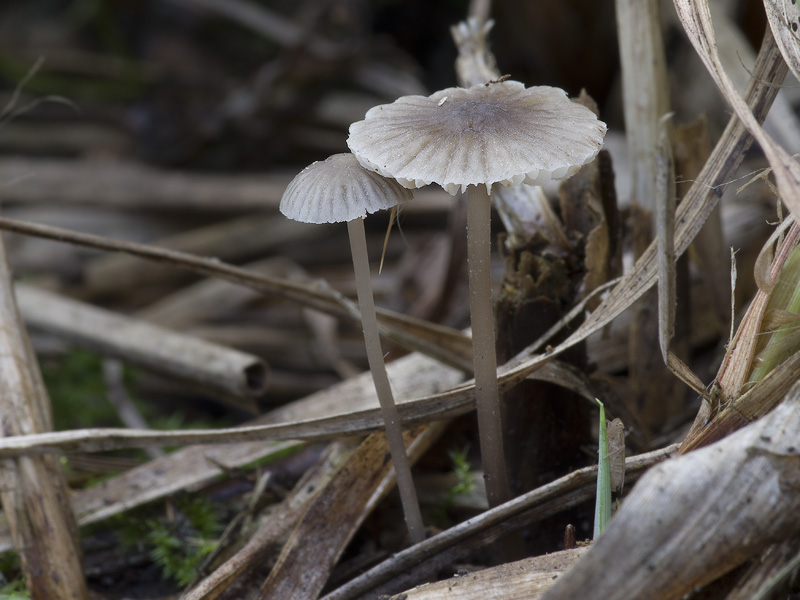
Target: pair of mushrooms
(462, 139)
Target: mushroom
(340, 189)
(471, 139)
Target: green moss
(77, 391)
(464, 485)
(180, 545)
(16, 590)
(12, 582)
(462, 469)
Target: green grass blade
(602, 510)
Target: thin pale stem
(487, 397)
(394, 431)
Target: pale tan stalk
(644, 89)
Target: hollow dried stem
(233, 376)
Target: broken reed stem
(487, 397)
(234, 376)
(391, 418)
(204, 300)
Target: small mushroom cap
(491, 133)
(339, 189)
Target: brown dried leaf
(665, 235)
(732, 404)
(276, 528)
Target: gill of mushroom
(335, 190)
(471, 139)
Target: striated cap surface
(339, 189)
(492, 133)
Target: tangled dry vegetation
(185, 407)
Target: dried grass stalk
(132, 185)
(732, 402)
(450, 346)
(195, 466)
(328, 421)
(696, 20)
(782, 18)
(230, 241)
(210, 298)
(770, 570)
(272, 532)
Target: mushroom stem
(391, 418)
(484, 357)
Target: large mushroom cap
(339, 189)
(491, 133)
